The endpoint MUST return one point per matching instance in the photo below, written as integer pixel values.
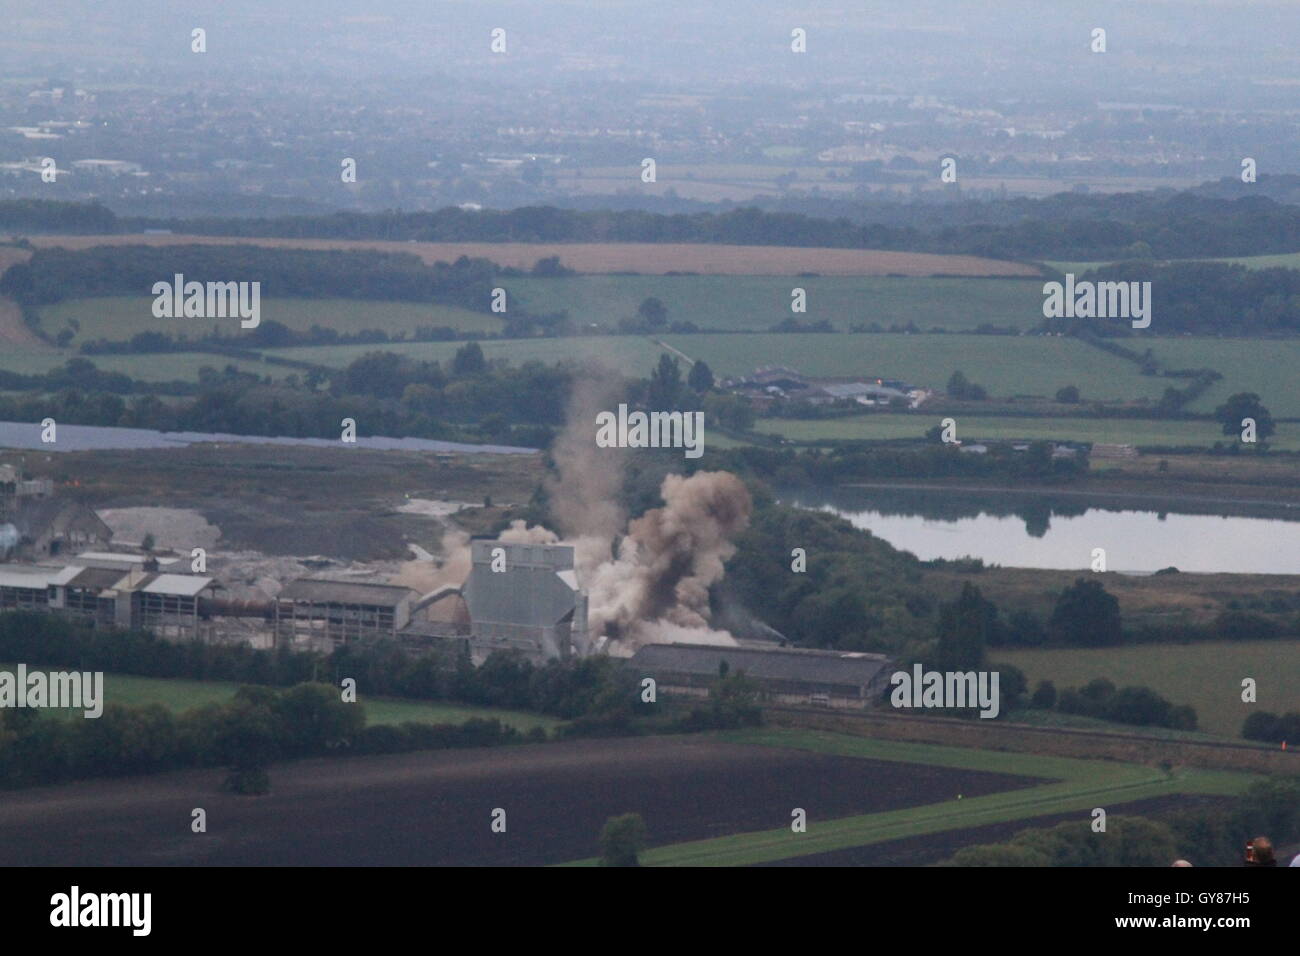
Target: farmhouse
(843, 679)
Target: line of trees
(1210, 836)
(55, 274)
(1148, 225)
(259, 726)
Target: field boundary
(1062, 741)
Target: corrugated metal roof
(100, 579)
(321, 591)
(37, 579)
(67, 574)
(187, 585)
(812, 666)
(122, 557)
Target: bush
(1044, 696)
(622, 840)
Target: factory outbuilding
(320, 614)
(790, 676)
(129, 595)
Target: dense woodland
(53, 275)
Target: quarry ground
(436, 807)
(261, 510)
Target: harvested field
(435, 808)
(643, 257)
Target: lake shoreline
(1182, 501)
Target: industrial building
(36, 525)
(137, 597)
(322, 614)
(525, 598)
(840, 679)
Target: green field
(889, 425)
(1267, 367)
(1004, 365)
(1078, 786)
(117, 318)
(181, 695)
(759, 302)
(1205, 675)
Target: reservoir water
(1017, 530)
(27, 435)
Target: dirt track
(435, 808)
(646, 258)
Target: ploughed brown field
(436, 807)
(644, 257)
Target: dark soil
(435, 808)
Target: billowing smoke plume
(585, 494)
(657, 586)
(648, 580)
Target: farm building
(784, 675)
(324, 614)
(769, 383)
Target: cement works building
(794, 676)
(132, 597)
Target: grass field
(1078, 785)
(759, 302)
(888, 425)
(1267, 367)
(643, 257)
(117, 318)
(1004, 365)
(181, 695)
(1205, 675)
